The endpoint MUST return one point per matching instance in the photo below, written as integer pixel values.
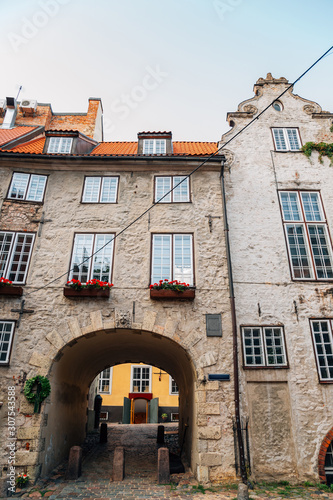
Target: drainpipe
(234, 332)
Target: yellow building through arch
(138, 393)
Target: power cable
(185, 177)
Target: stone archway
(328, 439)
(80, 360)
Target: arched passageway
(78, 363)
(325, 461)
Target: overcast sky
(176, 65)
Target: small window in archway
(329, 457)
(329, 464)
(173, 386)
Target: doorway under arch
(81, 360)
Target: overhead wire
(184, 178)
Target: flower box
(166, 294)
(15, 291)
(71, 293)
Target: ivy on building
(322, 148)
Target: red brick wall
(83, 123)
(18, 216)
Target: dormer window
(154, 147)
(154, 143)
(61, 145)
(66, 142)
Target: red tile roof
(115, 149)
(183, 148)
(194, 148)
(7, 135)
(35, 146)
(130, 148)
(153, 132)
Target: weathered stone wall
(290, 411)
(60, 330)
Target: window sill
(71, 293)
(265, 367)
(99, 203)
(171, 202)
(29, 202)
(172, 294)
(14, 291)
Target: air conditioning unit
(2, 106)
(28, 106)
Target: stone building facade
(63, 197)
(65, 194)
(280, 210)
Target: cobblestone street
(141, 475)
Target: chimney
(11, 111)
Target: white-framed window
(173, 387)
(15, 254)
(323, 344)
(60, 145)
(174, 417)
(180, 194)
(28, 187)
(99, 266)
(308, 242)
(6, 340)
(100, 189)
(264, 346)
(140, 378)
(154, 146)
(172, 258)
(286, 139)
(105, 381)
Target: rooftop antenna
(19, 91)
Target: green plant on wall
(322, 148)
(36, 389)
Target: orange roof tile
(194, 148)
(183, 148)
(7, 135)
(115, 148)
(130, 148)
(35, 146)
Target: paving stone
(140, 480)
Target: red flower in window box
(93, 288)
(4, 282)
(171, 290)
(7, 288)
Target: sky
(176, 65)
